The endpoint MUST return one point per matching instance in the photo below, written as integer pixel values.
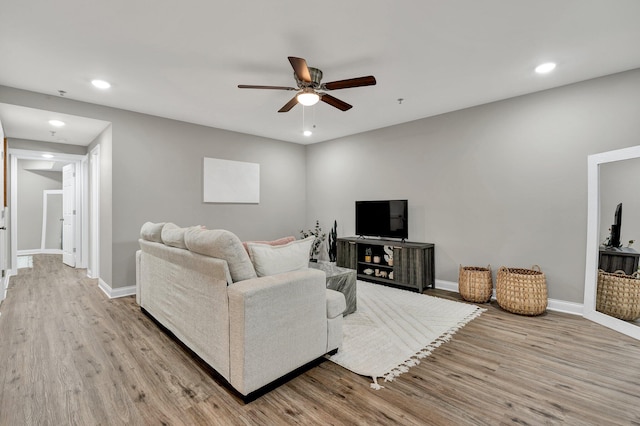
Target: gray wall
(62, 148)
(31, 185)
(501, 184)
(619, 184)
(157, 176)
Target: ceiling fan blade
(300, 68)
(335, 102)
(351, 82)
(249, 86)
(287, 107)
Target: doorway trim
(24, 154)
(93, 209)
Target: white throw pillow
(272, 260)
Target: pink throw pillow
(279, 242)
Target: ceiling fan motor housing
(316, 77)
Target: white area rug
(393, 329)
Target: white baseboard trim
(566, 307)
(117, 292)
(38, 251)
(4, 285)
(447, 285)
(552, 304)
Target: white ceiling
(184, 60)
(33, 124)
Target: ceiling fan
(310, 90)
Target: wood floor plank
(69, 355)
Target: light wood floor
(68, 355)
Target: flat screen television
(616, 227)
(385, 218)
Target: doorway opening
(63, 211)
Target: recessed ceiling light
(545, 68)
(47, 155)
(101, 84)
(307, 133)
(56, 123)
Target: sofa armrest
(277, 324)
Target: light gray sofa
(252, 330)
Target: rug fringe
(375, 384)
(426, 351)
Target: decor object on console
(522, 291)
(333, 241)
(367, 256)
(209, 297)
(393, 329)
(388, 255)
(317, 242)
(618, 295)
(475, 283)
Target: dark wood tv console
(413, 264)
(614, 259)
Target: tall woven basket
(618, 295)
(475, 283)
(522, 291)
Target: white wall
(501, 184)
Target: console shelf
(412, 264)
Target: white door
(69, 214)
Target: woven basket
(522, 291)
(475, 283)
(618, 295)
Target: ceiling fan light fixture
(308, 97)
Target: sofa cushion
(221, 244)
(336, 303)
(173, 235)
(152, 232)
(272, 260)
(278, 242)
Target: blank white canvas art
(227, 181)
